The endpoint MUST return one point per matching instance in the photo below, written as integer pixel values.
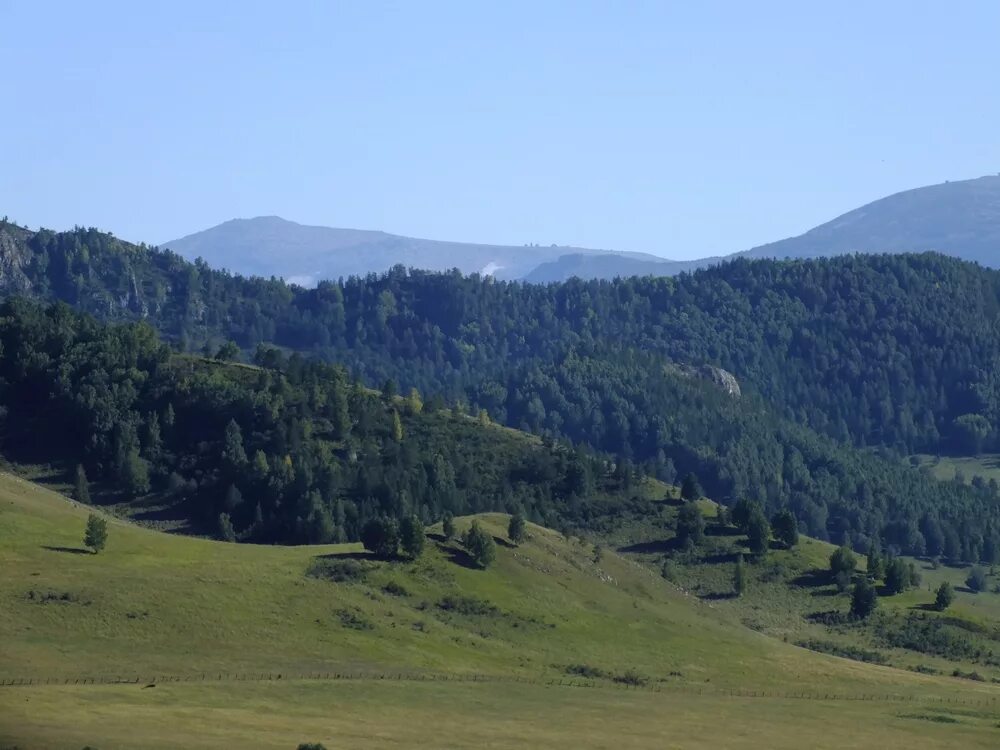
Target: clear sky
(683, 129)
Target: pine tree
(397, 427)
(864, 598)
(135, 474)
(690, 525)
(944, 597)
(81, 490)
(232, 447)
(411, 536)
(739, 576)
(516, 528)
(96, 534)
(876, 563)
(690, 488)
(414, 403)
(226, 531)
(448, 525)
(153, 442)
(786, 528)
(480, 545)
(758, 534)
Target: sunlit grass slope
(154, 604)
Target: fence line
(992, 702)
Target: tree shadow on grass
(70, 550)
(658, 546)
(716, 530)
(501, 542)
(369, 556)
(720, 557)
(459, 556)
(925, 607)
(717, 596)
(813, 578)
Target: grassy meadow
(154, 605)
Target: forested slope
(834, 357)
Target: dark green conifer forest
(839, 368)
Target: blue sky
(682, 129)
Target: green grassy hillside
(791, 595)
(154, 606)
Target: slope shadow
(715, 530)
(717, 596)
(720, 557)
(646, 548)
(460, 557)
(371, 556)
(70, 550)
(813, 578)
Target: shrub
(467, 605)
(338, 571)
(395, 589)
(354, 620)
(976, 579)
(844, 651)
(585, 670)
(631, 677)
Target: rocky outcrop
(14, 257)
(722, 379)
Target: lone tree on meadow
(864, 599)
(448, 525)
(381, 536)
(411, 536)
(690, 489)
(81, 489)
(96, 535)
(480, 545)
(516, 528)
(977, 579)
(944, 597)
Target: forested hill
(877, 350)
(896, 351)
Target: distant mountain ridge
(959, 218)
(955, 218)
(272, 246)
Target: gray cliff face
(14, 257)
(722, 379)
